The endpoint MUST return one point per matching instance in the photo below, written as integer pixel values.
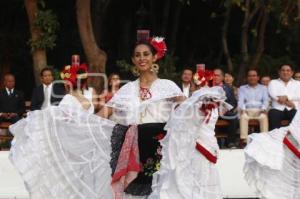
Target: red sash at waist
(207, 154)
(291, 146)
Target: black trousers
(231, 130)
(276, 116)
(11, 120)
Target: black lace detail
(149, 136)
(117, 139)
(138, 189)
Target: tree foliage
(48, 25)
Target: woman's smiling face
(143, 57)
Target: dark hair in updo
(152, 49)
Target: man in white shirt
(186, 84)
(284, 93)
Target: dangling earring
(135, 71)
(155, 68)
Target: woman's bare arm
(95, 99)
(105, 112)
(180, 99)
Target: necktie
(10, 92)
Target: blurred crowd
(269, 101)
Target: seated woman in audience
(265, 80)
(113, 86)
(229, 79)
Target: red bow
(70, 73)
(203, 77)
(159, 45)
(207, 108)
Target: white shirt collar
(291, 80)
(254, 87)
(7, 90)
(49, 86)
(186, 90)
(184, 86)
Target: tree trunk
(244, 45)
(38, 55)
(298, 15)
(5, 65)
(124, 41)
(100, 8)
(165, 18)
(175, 24)
(244, 40)
(224, 39)
(153, 17)
(95, 56)
(261, 38)
(244, 36)
(97, 19)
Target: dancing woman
(64, 152)
(190, 148)
(273, 162)
(145, 105)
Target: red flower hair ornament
(203, 77)
(71, 73)
(159, 45)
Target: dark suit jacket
(37, 99)
(192, 89)
(12, 104)
(230, 97)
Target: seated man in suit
(230, 116)
(48, 93)
(12, 103)
(186, 85)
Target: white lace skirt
(186, 176)
(185, 173)
(271, 167)
(62, 156)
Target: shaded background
(193, 35)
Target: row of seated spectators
(268, 101)
(12, 103)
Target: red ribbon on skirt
(207, 154)
(291, 146)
